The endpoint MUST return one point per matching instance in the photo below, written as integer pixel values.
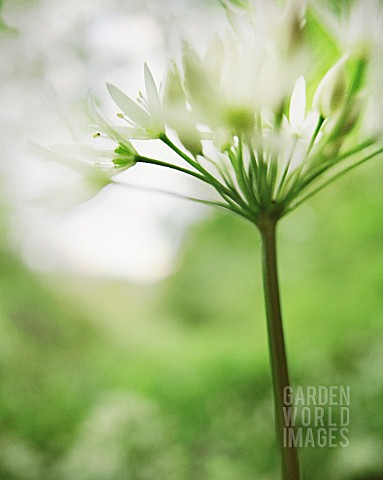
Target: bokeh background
(132, 332)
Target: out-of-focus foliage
(102, 379)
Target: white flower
(119, 135)
(86, 158)
(301, 125)
(250, 68)
(104, 158)
(298, 133)
(146, 120)
(94, 167)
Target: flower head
(238, 117)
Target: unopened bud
(190, 139)
(222, 139)
(291, 28)
(330, 94)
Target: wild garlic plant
(241, 121)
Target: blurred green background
(106, 380)
(110, 380)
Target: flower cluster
(242, 119)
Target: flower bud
(190, 138)
(222, 139)
(174, 96)
(330, 94)
(291, 27)
(177, 114)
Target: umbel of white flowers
(247, 99)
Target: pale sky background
(63, 50)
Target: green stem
(210, 203)
(153, 161)
(278, 360)
(227, 193)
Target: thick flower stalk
(241, 121)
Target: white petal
(152, 93)
(136, 133)
(214, 58)
(115, 133)
(309, 126)
(83, 152)
(128, 106)
(82, 168)
(196, 81)
(297, 111)
(174, 96)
